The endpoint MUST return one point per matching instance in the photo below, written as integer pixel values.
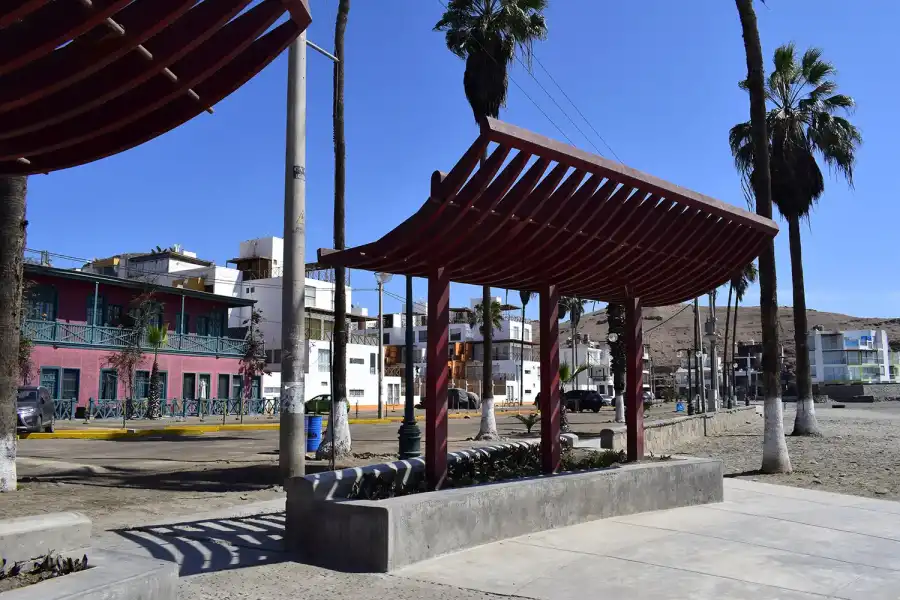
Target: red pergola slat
(82, 80)
(540, 215)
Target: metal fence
(138, 408)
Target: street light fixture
(612, 338)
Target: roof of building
(83, 80)
(539, 212)
(170, 254)
(34, 269)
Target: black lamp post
(410, 434)
(690, 398)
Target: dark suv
(35, 410)
(582, 400)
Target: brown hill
(671, 327)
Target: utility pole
(698, 347)
(292, 434)
(381, 278)
(410, 435)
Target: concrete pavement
(764, 541)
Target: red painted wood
(14, 10)
(634, 389)
(437, 379)
(550, 389)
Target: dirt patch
(857, 453)
(46, 567)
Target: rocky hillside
(671, 327)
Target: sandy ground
(122, 483)
(859, 452)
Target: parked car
(582, 400)
(459, 398)
(648, 399)
(36, 411)
(320, 405)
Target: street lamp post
(612, 338)
(682, 352)
(410, 435)
(381, 278)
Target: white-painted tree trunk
(620, 408)
(8, 463)
(805, 422)
(488, 428)
(775, 453)
(342, 445)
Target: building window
(514, 332)
(357, 361)
(185, 328)
(324, 360)
(357, 393)
(423, 335)
(386, 338)
(189, 386)
(114, 315)
(455, 335)
(222, 390)
(61, 383)
(309, 295)
(328, 329)
(527, 331)
(203, 386)
(41, 303)
(373, 363)
(253, 290)
(109, 384)
(90, 320)
(237, 387)
(313, 329)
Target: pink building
(77, 320)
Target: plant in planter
(47, 567)
(529, 420)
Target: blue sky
(657, 79)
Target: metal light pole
(410, 435)
(381, 278)
(713, 404)
(292, 435)
(681, 353)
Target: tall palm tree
(339, 423)
(615, 320)
(487, 34)
(740, 283)
(802, 126)
(573, 308)
(12, 246)
(476, 317)
(775, 454)
(157, 337)
(526, 298)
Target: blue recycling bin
(313, 432)
(679, 406)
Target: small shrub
(529, 420)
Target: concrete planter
(25, 538)
(379, 536)
(112, 576)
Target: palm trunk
(340, 424)
(727, 371)
(153, 399)
(805, 422)
(12, 245)
(737, 301)
(488, 428)
(775, 454)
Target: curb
(197, 430)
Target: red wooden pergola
(83, 79)
(541, 215)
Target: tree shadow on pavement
(208, 546)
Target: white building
(257, 275)
(681, 374)
(859, 356)
(598, 376)
(507, 344)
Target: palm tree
(740, 283)
(157, 336)
(12, 246)
(775, 455)
(802, 126)
(566, 376)
(526, 298)
(573, 308)
(340, 424)
(729, 401)
(615, 319)
(476, 317)
(487, 34)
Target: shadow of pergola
(212, 545)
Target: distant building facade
(858, 356)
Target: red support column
(437, 379)
(550, 446)
(634, 379)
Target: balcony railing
(352, 338)
(82, 334)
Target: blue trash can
(313, 432)
(679, 406)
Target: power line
(684, 308)
(559, 87)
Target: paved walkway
(764, 541)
